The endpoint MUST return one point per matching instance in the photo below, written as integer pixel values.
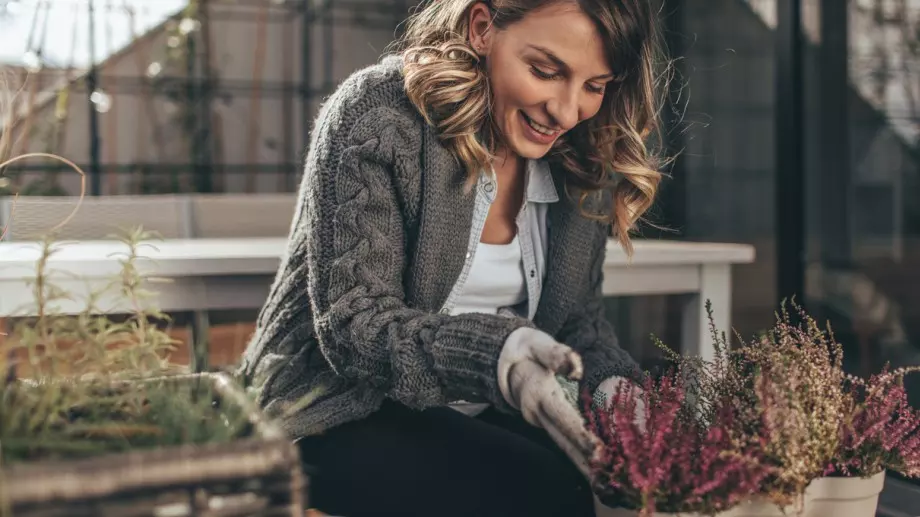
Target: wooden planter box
(259, 475)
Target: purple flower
(679, 464)
(880, 430)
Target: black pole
(306, 83)
(197, 110)
(285, 183)
(189, 115)
(674, 189)
(834, 141)
(328, 47)
(203, 100)
(790, 174)
(95, 177)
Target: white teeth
(539, 128)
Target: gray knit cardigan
(377, 241)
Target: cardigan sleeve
(350, 224)
(589, 333)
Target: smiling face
(547, 73)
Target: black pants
(442, 463)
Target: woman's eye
(594, 88)
(543, 74)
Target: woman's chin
(528, 149)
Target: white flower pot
(748, 509)
(758, 508)
(844, 496)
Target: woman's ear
(480, 28)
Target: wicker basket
(259, 475)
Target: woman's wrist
(512, 352)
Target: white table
(700, 269)
(202, 274)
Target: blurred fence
(157, 96)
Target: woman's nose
(564, 109)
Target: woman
(445, 260)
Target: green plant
(80, 384)
(88, 383)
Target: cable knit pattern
(378, 238)
(589, 332)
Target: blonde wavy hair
(447, 83)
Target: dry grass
(227, 344)
(63, 391)
(63, 377)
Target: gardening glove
(527, 369)
(607, 391)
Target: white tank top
(496, 279)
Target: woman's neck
(500, 226)
(508, 164)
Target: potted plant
(674, 463)
(879, 432)
(874, 424)
(805, 414)
(762, 399)
(95, 421)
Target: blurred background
(797, 124)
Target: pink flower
(680, 464)
(880, 430)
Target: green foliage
(76, 385)
(55, 420)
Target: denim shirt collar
(539, 186)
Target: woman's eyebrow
(563, 65)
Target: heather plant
(879, 428)
(791, 400)
(801, 397)
(819, 413)
(782, 393)
(676, 462)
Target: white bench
(236, 273)
(171, 216)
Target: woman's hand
(608, 390)
(527, 369)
